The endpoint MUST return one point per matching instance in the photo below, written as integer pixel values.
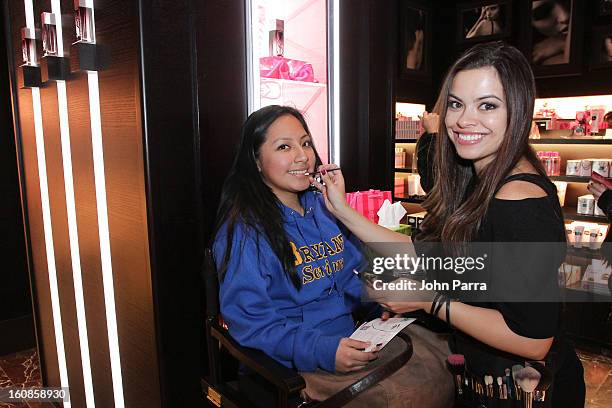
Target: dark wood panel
(22, 98)
(89, 244)
(117, 30)
(222, 94)
(381, 95)
(353, 93)
(15, 299)
(61, 241)
(87, 222)
(59, 227)
(174, 206)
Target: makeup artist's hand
(387, 315)
(351, 357)
(333, 190)
(430, 121)
(595, 188)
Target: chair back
(211, 283)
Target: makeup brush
(318, 172)
(500, 389)
(545, 381)
(528, 378)
(517, 388)
(490, 385)
(509, 383)
(456, 365)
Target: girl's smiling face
(476, 118)
(285, 156)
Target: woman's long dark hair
(247, 200)
(450, 218)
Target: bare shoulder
(520, 190)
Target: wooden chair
(266, 382)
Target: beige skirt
(423, 382)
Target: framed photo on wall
(605, 7)
(556, 34)
(484, 20)
(414, 46)
(601, 55)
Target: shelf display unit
(407, 130)
(290, 46)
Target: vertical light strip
(103, 231)
(46, 215)
(249, 56)
(252, 10)
(336, 82)
(73, 233)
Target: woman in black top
(489, 187)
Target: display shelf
(406, 140)
(415, 199)
(584, 140)
(292, 82)
(588, 292)
(571, 214)
(571, 179)
(583, 252)
(403, 170)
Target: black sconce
(29, 68)
(85, 53)
(54, 66)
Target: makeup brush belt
(422, 382)
(478, 394)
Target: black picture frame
(601, 51)
(604, 8)
(415, 38)
(548, 56)
(472, 26)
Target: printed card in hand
(379, 332)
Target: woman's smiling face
(476, 119)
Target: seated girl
(286, 267)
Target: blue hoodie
(298, 328)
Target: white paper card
(380, 332)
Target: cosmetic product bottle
(586, 167)
(277, 39)
(28, 46)
(572, 167)
(578, 229)
(586, 204)
(556, 163)
(83, 21)
(49, 34)
(601, 167)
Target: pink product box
(400, 186)
(400, 158)
(285, 68)
(367, 203)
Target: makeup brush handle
(528, 399)
(458, 384)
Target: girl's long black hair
(247, 200)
